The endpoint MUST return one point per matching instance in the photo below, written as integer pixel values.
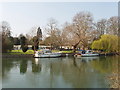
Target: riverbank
(30, 54)
(17, 56)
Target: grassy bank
(15, 52)
(18, 52)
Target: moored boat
(87, 53)
(46, 53)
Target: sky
(22, 16)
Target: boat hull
(47, 55)
(89, 55)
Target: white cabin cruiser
(46, 53)
(87, 53)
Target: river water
(65, 72)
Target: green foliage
(23, 66)
(24, 48)
(23, 42)
(39, 33)
(108, 43)
(7, 39)
(35, 43)
(7, 44)
(16, 41)
(97, 45)
(35, 48)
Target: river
(65, 72)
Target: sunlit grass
(66, 51)
(21, 52)
(62, 51)
(55, 50)
(32, 52)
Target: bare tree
(5, 28)
(53, 32)
(32, 33)
(113, 25)
(56, 37)
(79, 29)
(101, 27)
(6, 38)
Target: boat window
(48, 52)
(40, 52)
(83, 52)
(90, 51)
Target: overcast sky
(23, 16)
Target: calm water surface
(67, 72)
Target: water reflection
(66, 72)
(0, 73)
(23, 66)
(87, 59)
(36, 66)
(36, 60)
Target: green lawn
(62, 51)
(66, 51)
(21, 52)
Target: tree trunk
(51, 47)
(34, 49)
(74, 49)
(75, 46)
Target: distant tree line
(8, 40)
(83, 32)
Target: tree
(62, 38)
(23, 42)
(113, 26)
(16, 41)
(78, 31)
(101, 27)
(7, 44)
(109, 26)
(47, 41)
(39, 34)
(35, 43)
(36, 40)
(53, 33)
(32, 33)
(5, 28)
(96, 45)
(108, 43)
(7, 39)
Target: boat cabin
(89, 51)
(44, 51)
